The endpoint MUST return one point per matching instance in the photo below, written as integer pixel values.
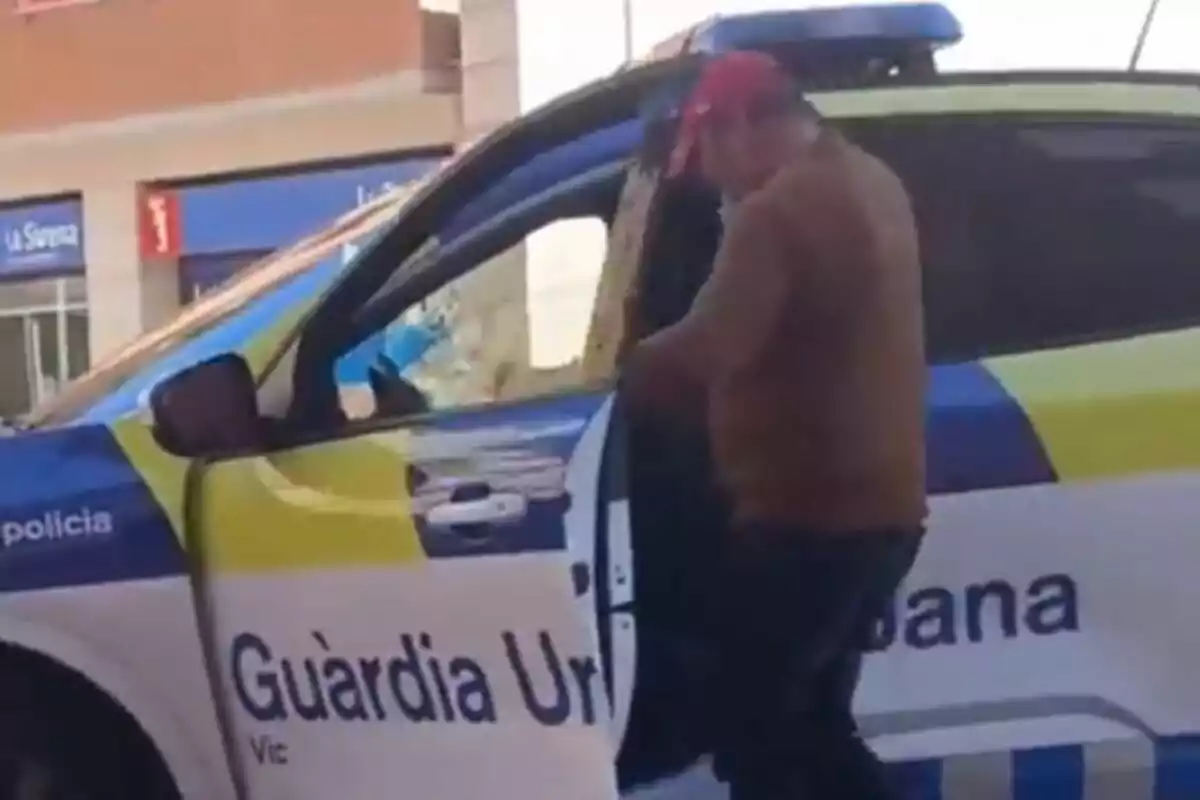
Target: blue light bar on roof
(858, 30)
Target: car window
(515, 319)
(550, 168)
(1038, 233)
(506, 329)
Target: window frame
(602, 104)
(437, 269)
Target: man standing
(804, 356)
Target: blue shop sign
(41, 238)
(265, 213)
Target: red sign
(38, 6)
(158, 223)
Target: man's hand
(659, 379)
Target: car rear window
(1041, 232)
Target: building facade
(150, 148)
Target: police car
(227, 573)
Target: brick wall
(116, 58)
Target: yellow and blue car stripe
(1101, 411)
(1095, 412)
(75, 511)
(979, 438)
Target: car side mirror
(210, 408)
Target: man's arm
(729, 322)
(738, 307)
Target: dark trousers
(796, 617)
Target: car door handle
(500, 508)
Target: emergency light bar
(854, 45)
(863, 29)
(823, 49)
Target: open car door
(408, 604)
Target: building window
(43, 339)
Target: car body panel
(1111, 410)
(491, 613)
(94, 575)
(76, 512)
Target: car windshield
(278, 290)
(266, 292)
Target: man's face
(739, 152)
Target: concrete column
(125, 296)
(490, 77)
(562, 46)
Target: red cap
(729, 85)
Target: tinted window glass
(1037, 233)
